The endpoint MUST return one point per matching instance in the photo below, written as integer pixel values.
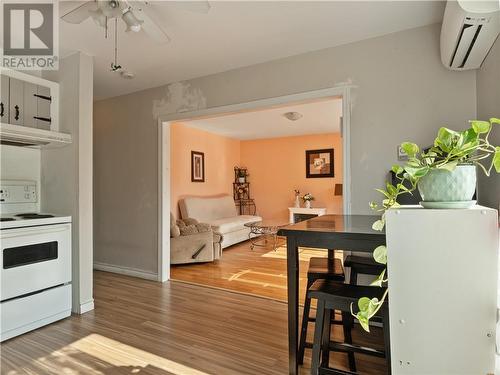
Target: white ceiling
(318, 118)
(235, 34)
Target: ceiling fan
(133, 13)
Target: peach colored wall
(277, 167)
(221, 155)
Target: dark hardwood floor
(144, 327)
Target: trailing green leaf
(411, 149)
(380, 254)
(380, 280)
(480, 126)
(378, 225)
(496, 159)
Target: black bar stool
(365, 266)
(333, 296)
(319, 269)
(362, 265)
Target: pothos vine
(451, 148)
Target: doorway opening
(308, 153)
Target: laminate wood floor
(148, 328)
(260, 272)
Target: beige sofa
(220, 213)
(193, 242)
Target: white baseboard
(86, 307)
(134, 272)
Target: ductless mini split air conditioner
(468, 32)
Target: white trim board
(164, 120)
(134, 272)
(86, 307)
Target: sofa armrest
(197, 247)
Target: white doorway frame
(164, 122)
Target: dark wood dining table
(332, 232)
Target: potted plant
(242, 175)
(446, 178)
(307, 198)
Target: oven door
(34, 258)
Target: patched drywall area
(402, 92)
(179, 97)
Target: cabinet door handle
(1, 110)
(16, 116)
(49, 98)
(42, 119)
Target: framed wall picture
(319, 163)
(197, 166)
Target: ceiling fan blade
(80, 13)
(150, 26)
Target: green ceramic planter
(440, 185)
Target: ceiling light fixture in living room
(293, 116)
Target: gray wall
(488, 105)
(67, 171)
(402, 93)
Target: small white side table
(305, 211)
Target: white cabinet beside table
(443, 272)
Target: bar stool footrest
(345, 347)
(332, 371)
(312, 319)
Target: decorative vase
(308, 204)
(441, 188)
(297, 201)
(241, 180)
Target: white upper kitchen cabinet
(4, 98)
(29, 101)
(16, 102)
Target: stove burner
(7, 219)
(34, 215)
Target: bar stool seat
(319, 269)
(332, 296)
(362, 265)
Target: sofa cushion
(206, 209)
(232, 224)
(174, 228)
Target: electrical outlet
(18, 192)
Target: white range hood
(26, 136)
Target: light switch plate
(401, 154)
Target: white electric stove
(35, 262)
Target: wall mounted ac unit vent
(468, 32)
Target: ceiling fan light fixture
(293, 116)
(133, 23)
(110, 8)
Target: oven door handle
(20, 232)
